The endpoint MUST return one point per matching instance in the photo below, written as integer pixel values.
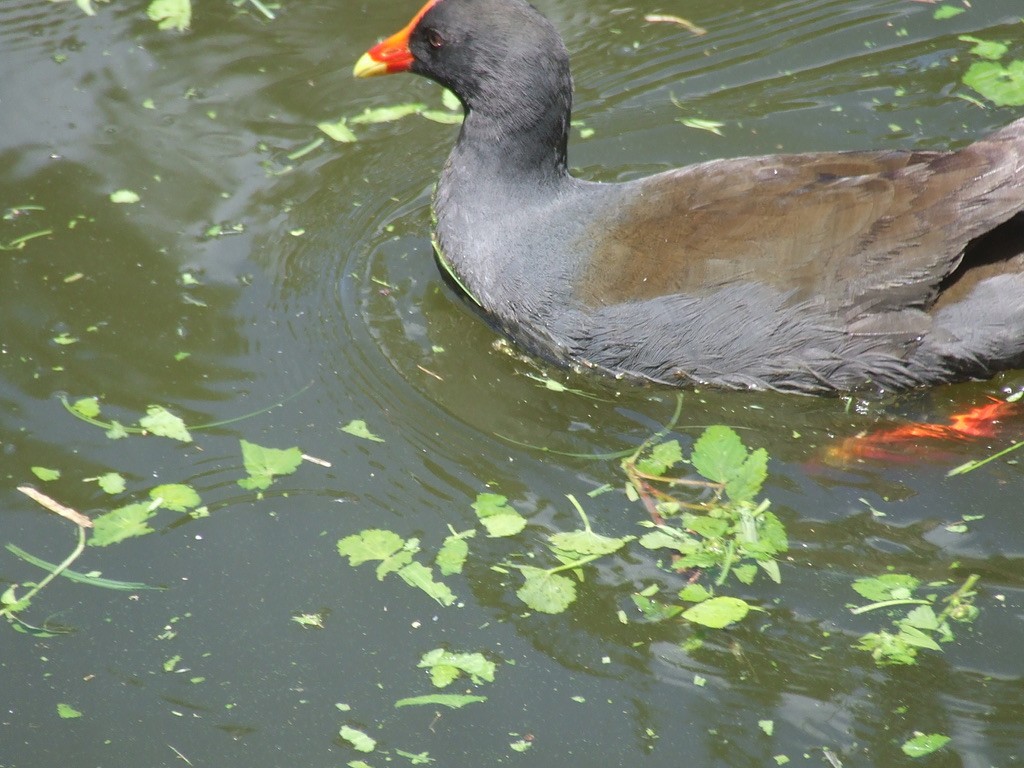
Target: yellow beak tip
(368, 67)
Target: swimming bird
(813, 273)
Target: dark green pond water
(306, 279)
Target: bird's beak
(391, 55)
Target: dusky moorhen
(810, 273)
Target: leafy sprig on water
(921, 627)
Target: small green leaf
(124, 197)
(768, 726)
(546, 592)
(661, 458)
(87, 407)
(422, 577)
(946, 12)
(450, 100)
(66, 711)
(915, 637)
(746, 482)
(387, 114)
(587, 542)
(338, 131)
(497, 516)
(359, 740)
(398, 561)
(717, 612)
(162, 423)
(986, 49)
(111, 483)
(922, 617)
(888, 586)
(924, 744)
(452, 555)
(263, 464)
(442, 116)
(358, 428)
(122, 523)
(309, 620)
(65, 339)
(171, 14)
(175, 497)
(446, 666)
(371, 544)
(45, 474)
(694, 593)
(718, 453)
(450, 700)
(654, 610)
(116, 431)
(711, 126)
(1003, 86)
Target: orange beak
(391, 55)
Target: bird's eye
(434, 39)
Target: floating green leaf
(338, 131)
(161, 422)
(358, 428)
(440, 116)
(359, 740)
(655, 610)
(171, 14)
(86, 407)
(497, 516)
(694, 593)
(371, 544)
(175, 497)
(587, 542)
(947, 12)
(111, 483)
(122, 523)
(446, 666)
(986, 49)
(888, 586)
(264, 464)
(661, 458)
(452, 555)
(387, 114)
(718, 612)
(701, 124)
(450, 700)
(420, 576)
(46, 474)
(545, 591)
(1003, 86)
(67, 712)
(124, 197)
(924, 744)
(720, 456)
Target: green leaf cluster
(710, 611)
(728, 533)
(396, 556)
(1001, 83)
(920, 627)
(548, 590)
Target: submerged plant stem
(26, 599)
